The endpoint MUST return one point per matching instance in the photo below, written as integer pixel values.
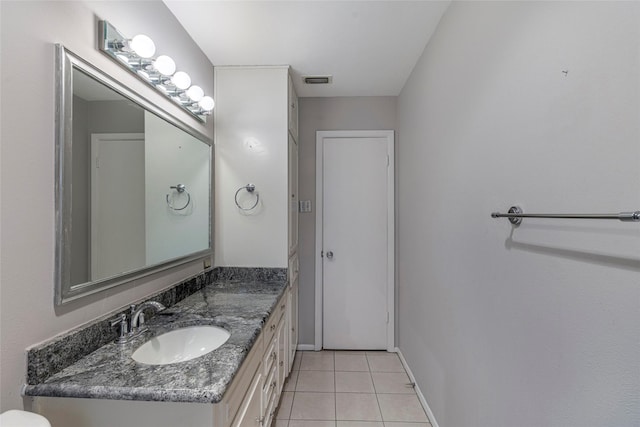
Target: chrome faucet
(134, 325)
(137, 316)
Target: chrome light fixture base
(119, 47)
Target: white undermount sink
(180, 345)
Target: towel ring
(180, 188)
(250, 189)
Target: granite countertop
(240, 306)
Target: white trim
(306, 347)
(421, 398)
(389, 134)
(319, 242)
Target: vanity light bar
(137, 56)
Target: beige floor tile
(388, 362)
(354, 382)
(357, 407)
(392, 382)
(397, 424)
(314, 406)
(317, 361)
(359, 424)
(284, 410)
(351, 362)
(401, 407)
(290, 384)
(296, 361)
(321, 381)
(280, 423)
(309, 423)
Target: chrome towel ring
(180, 188)
(250, 189)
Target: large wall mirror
(133, 184)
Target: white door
(117, 204)
(356, 213)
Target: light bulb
(165, 65)
(181, 80)
(195, 93)
(143, 46)
(206, 103)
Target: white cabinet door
(293, 196)
(250, 414)
(293, 110)
(293, 325)
(283, 352)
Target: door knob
(330, 255)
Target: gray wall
(534, 326)
(81, 201)
(28, 33)
(350, 113)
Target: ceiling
(369, 47)
(90, 89)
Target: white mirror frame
(66, 61)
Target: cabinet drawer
(270, 328)
(269, 358)
(270, 386)
(270, 411)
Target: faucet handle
(123, 330)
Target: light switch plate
(305, 206)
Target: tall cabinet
(256, 142)
(293, 217)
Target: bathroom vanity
(238, 384)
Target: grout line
(335, 386)
(379, 407)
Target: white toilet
(15, 418)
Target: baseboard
(423, 401)
(306, 347)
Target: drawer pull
(260, 420)
(273, 355)
(273, 327)
(273, 384)
(281, 362)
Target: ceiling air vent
(317, 80)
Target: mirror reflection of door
(117, 204)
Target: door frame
(320, 136)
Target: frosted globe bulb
(164, 65)
(181, 80)
(143, 46)
(195, 93)
(206, 103)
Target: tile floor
(349, 389)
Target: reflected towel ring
(250, 189)
(180, 188)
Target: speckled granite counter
(242, 306)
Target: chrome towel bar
(516, 214)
